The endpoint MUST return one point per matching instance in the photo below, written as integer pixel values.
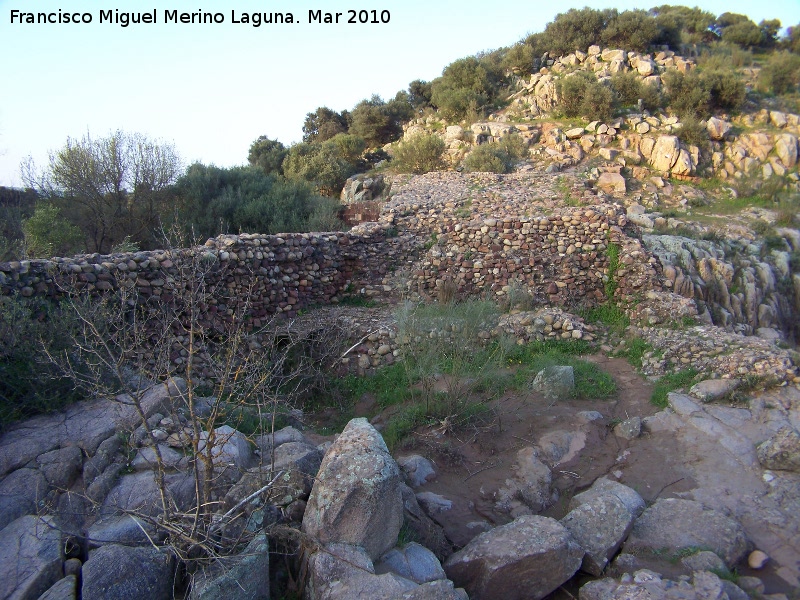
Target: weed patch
(670, 382)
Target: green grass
(389, 386)
(359, 301)
(635, 350)
(590, 380)
(670, 382)
(609, 314)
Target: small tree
(109, 187)
(419, 154)
(267, 155)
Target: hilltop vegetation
(123, 191)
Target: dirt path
(474, 464)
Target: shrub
(47, 233)
(327, 165)
(468, 86)
(685, 95)
(419, 154)
(30, 383)
(726, 88)
(781, 74)
(693, 133)
(628, 89)
(699, 93)
(630, 29)
(597, 103)
(497, 157)
(486, 159)
(267, 154)
(581, 95)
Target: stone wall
(276, 274)
(560, 259)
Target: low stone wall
(274, 273)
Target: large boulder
(140, 492)
(599, 526)
(538, 551)
(20, 493)
(343, 571)
(674, 525)
(781, 451)
(64, 589)
(717, 128)
(356, 498)
(555, 382)
(786, 149)
(241, 577)
(30, 557)
(61, 467)
(125, 573)
(230, 448)
(665, 153)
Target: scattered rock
(629, 429)
(673, 524)
(757, 559)
(61, 467)
(603, 486)
(20, 493)
(704, 561)
(64, 589)
(244, 576)
(342, 572)
(126, 573)
(413, 562)
(710, 390)
(599, 526)
(781, 452)
(537, 550)
(555, 382)
(433, 504)
(418, 470)
(356, 498)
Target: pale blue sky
(213, 89)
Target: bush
(420, 154)
(693, 133)
(214, 200)
(781, 74)
(327, 165)
(47, 234)
(697, 93)
(581, 95)
(497, 157)
(30, 383)
(627, 89)
(466, 85)
(631, 29)
(725, 87)
(486, 159)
